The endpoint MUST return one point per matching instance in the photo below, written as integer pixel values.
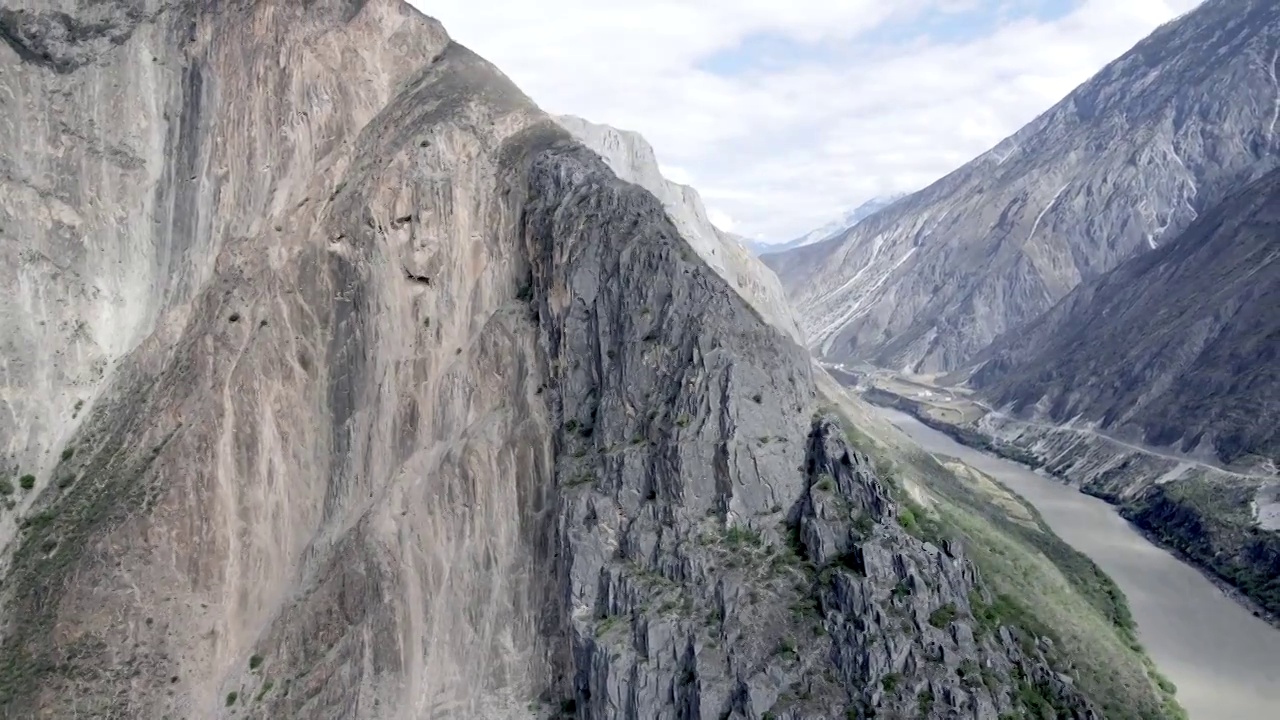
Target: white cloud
(676, 174)
(721, 219)
(784, 149)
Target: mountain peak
(1131, 156)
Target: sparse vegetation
(786, 648)
(1209, 522)
(1039, 586)
(6, 486)
(924, 701)
(738, 536)
(943, 616)
(907, 519)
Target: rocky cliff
(1120, 166)
(340, 382)
(632, 159)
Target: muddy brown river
(1225, 661)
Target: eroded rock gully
(353, 388)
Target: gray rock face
(1177, 347)
(632, 159)
(717, 563)
(1122, 165)
(398, 404)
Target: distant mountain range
(1106, 283)
(1121, 165)
(844, 222)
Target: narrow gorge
(341, 382)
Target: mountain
(1176, 349)
(1122, 165)
(341, 382)
(846, 221)
(1179, 346)
(632, 159)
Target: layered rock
(1120, 166)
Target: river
(1225, 661)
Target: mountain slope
(1125, 162)
(340, 382)
(631, 157)
(848, 220)
(1178, 346)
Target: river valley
(1224, 660)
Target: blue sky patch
(774, 52)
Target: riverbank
(1224, 661)
(1202, 514)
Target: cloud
(784, 115)
(721, 219)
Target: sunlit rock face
(350, 386)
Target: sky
(786, 114)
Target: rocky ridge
(349, 386)
(631, 157)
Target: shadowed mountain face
(1179, 346)
(632, 159)
(340, 382)
(1121, 166)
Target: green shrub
(943, 616)
(231, 698)
(907, 519)
(737, 536)
(255, 662)
(27, 481)
(68, 453)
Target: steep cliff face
(1120, 166)
(399, 404)
(1177, 347)
(632, 158)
